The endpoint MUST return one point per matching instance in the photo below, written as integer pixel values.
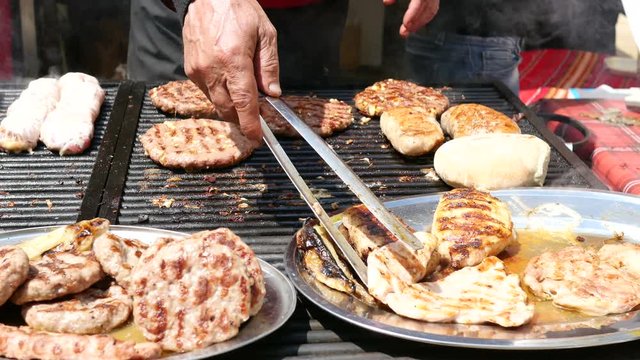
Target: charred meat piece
(196, 144)
(26, 343)
(470, 226)
(475, 119)
(324, 116)
(93, 311)
(389, 94)
(411, 131)
(118, 256)
(577, 278)
(183, 98)
(14, 269)
(56, 275)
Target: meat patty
(196, 144)
(189, 293)
(14, 268)
(26, 343)
(56, 275)
(576, 278)
(184, 98)
(93, 311)
(118, 256)
(475, 119)
(324, 116)
(388, 94)
(226, 237)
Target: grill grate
(44, 188)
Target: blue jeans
(445, 58)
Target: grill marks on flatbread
(196, 144)
(182, 98)
(388, 94)
(324, 116)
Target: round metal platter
(279, 303)
(584, 212)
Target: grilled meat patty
(26, 343)
(93, 311)
(14, 268)
(196, 144)
(118, 256)
(56, 275)
(388, 94)
(324, 116)
(183, 98)
(580, 279)
(471, 225)
(475, 119)
(412, 131)
(190, 293)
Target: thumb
(267, 68)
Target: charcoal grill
(255, 199)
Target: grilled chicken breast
(324, 116)
(58, 274)
(389, 94)
(184, 98)
(475, 119)
(26, 343)
(411, 131)
(579, 279)
(194, 144)
(624, 257)
(470, 226)
(93, 311)
(14, 268)
(118, 256)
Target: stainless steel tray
(587, 212)
(279, 304)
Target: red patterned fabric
(549, 73)
(283, 4)
(615, 148)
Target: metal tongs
(368, 198)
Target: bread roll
(493, 161)
(475, 119)
(412, 131)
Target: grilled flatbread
(182, 98)
(194, 144)
(388, 94)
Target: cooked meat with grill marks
(93, 311)
(26, 343)
(196, 144)
(14, 269)
(184, 98)
(624, 257)
(475, 119)
(189, 293)
(118, 256)
(412, 131)
(226, 237)
(388, 94)
(576, 278)
(324, 116)
(470, 226)
(56, 275)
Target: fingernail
(274, 88)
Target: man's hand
(230, 51)
(418, 14)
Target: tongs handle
(291, 171)
(366, 196)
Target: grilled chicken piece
(624, 257)
(118, 256)
(93, 311)
(412, 131)
(20, 130)
(26, 343)
(470, 226)
(473, 295)
(69, 128)
(14, 269)
(475, 119)
(576, 278)
(323, 263)
(388, 94)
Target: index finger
(243, 91)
